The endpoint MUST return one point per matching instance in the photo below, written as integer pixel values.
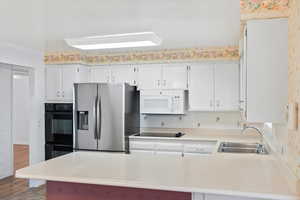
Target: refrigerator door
(85, 104)
(111, 117)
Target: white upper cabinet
(60, 80)
(162, 76)
(69, 77)
(124, 74)
(174, 76)
(227, 87)
(53, 83)
(201, 87)
(150, 76)
(267, 70)
(100, 74)
(214, 87)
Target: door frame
(15, 69)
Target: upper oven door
(59, 127)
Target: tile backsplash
(218, 120)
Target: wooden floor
(12, 186)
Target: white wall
(33, 60)
(21, 109)
(6, 161)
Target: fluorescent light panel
(127, 40)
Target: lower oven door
(59, 128)
(53, 150)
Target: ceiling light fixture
(142, 39)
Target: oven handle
(95, 117)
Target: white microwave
(162, 102)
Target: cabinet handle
(211, 103)
(218, 103)
(158, 83)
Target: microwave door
(86, 97)
(111, 117)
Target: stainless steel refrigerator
(104, 116)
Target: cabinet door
(53, 83)
(149, 76)
(174, 76)
(227, 87)
(201, 87)
(123, 74)
(83, 74)
(69, 76)
(267, 71)
(100, 74)
(226, 197)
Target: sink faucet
(245, 127)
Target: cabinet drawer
(135, 145)
(198, 149)
(169, 147)
(141, 152)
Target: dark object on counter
(160, 134)
(58, 129)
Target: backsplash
(188, 54)
(215, 120)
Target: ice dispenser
(83, 120)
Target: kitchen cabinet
(214, 87)
(227, 197)
(53, 83)
(162, 76)
(227, 87)
(174, 76)
(100, 74)
(68, 78)
(124, 74)
(60, 80)
(266, 65)
(150, 76)
(201, 87)
(171, 147)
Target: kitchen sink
(232, 147)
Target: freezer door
(111, 117)
(85, 104)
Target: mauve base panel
(77, 191)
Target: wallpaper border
(188, 54)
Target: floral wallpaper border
(256, 9)
(189, 54)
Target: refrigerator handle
(95, 117)
(99, 118)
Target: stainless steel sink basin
(232, 147)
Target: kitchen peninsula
(94, 175)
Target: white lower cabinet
(201, 196)
(171, 147)
(226, 197)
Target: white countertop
(256, 176)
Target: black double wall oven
(58, 129)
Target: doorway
(19, 105)
(20, 118)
